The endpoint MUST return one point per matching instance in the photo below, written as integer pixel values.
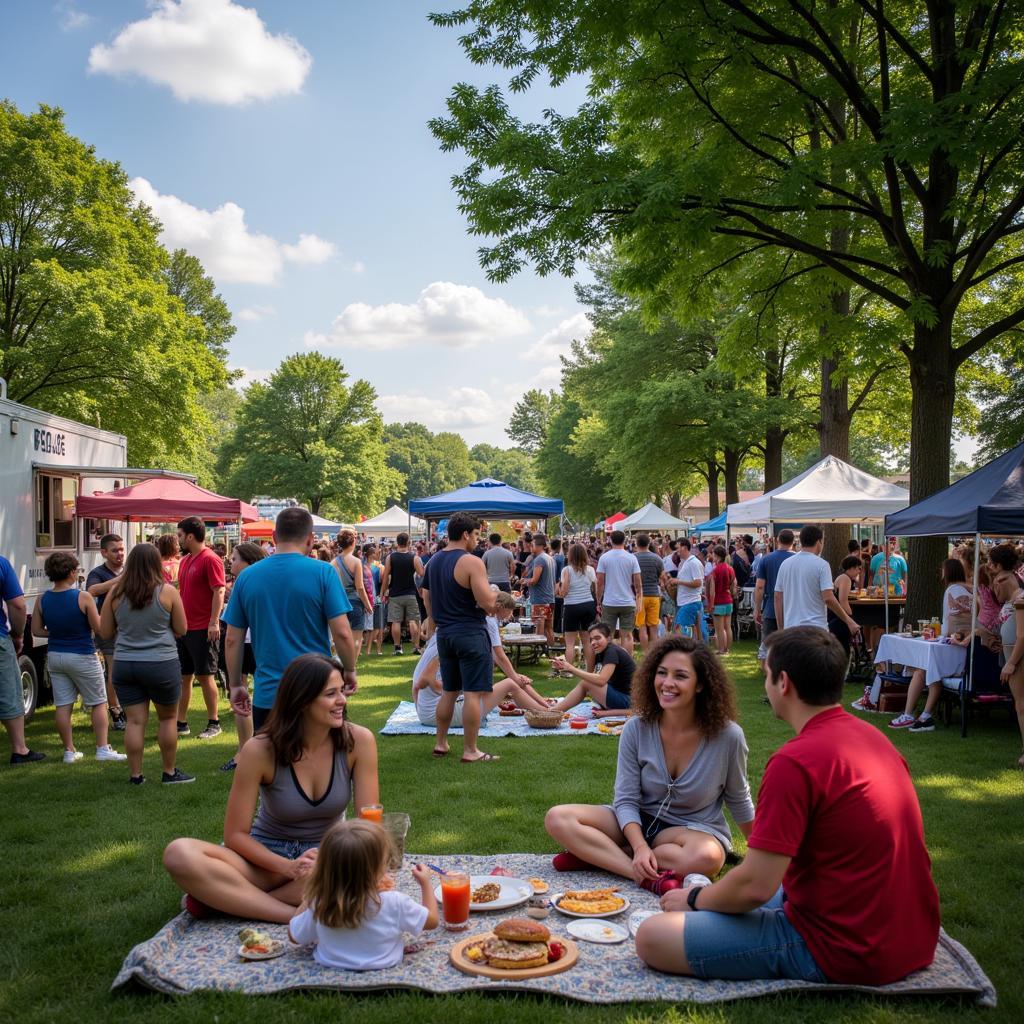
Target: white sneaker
(108, 753)
(902, 721)
(71, 756)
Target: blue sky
(285, 144)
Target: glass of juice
(455, 900)
(374, 812)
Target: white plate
(513, 891)
(638, 917)
(591, 930)
(276, 949)
(573, 913)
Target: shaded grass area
(82, 880)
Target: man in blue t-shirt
(891, 569)
(764, 590)
(13, 613)
(292, 604)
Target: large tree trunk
(774, 436)
(712, 490)
(933, 387)
(675, 503)
(733, 461)
(834, 439)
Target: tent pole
(969, 677)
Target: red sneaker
(567, 861)
(665, 882)
(197, 908)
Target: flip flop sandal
(482, 757)
(440, 753)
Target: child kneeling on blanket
(350, 911)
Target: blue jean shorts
(357, 616)
(758, 944)
(290, 849)
(615, 700)
(690, 615)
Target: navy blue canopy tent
(489, 499)
(716, 525)
(988, 502)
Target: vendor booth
(652, 517)
(488, 499)
(987, 503)
(392, 522)
(164, 500)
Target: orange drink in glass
(375, 812)
(455, 900)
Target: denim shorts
(357, 616)
(615, 700)
(758, 944)
(690, 615)
(288, 848)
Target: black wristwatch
(691, 896)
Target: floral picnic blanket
(403, 721)
(189, 955)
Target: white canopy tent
(651, 517)
(321, 525)
(831, 491)
(392, 522)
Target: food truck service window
(55, 505)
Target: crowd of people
(807, 901)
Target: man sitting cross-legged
(836, 885)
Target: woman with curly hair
(681, 756)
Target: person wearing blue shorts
(688, 584)
(608, 686)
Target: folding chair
(979, 689)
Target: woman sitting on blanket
(609, 684)
(680, 757)
(426, 677)
(301, 768)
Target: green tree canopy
(307, 432)
(513, 466)
(187, 281)
(88, 326)
(425, 463)
(529, 422)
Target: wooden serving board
(459, 961)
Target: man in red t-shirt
(836, 885)
(201, 583)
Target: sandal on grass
(482, 757)
(439, 753)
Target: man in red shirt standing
(201, 583)
(837, 884)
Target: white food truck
(46, 462)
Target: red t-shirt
(838, 799)
(724, 578)
(198, 576)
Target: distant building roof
(703, 499)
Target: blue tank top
(452, 606)
(66, 623)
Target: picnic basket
(542, 719)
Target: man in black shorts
(99, 583)
(398, 588)
(459, 599)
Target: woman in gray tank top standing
(301, 769)
(145, 614)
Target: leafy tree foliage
(425, 463)
(307, 432)
(88, 326)
(529, 423)
(187, 281)
(513, 466)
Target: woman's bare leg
(914, 691)
(685, 850)
(62, 719)
(135, 735)
(592, 834)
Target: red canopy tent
(163, 500)
(617, 518)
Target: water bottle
(695, 878)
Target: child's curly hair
(715, 705)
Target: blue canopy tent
(716, 525)
(988, 502)
(489, 499)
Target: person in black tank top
(398, 588)
(459, 599)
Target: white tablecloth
(938, 660)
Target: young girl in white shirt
(352, 913)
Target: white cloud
(309, 249)
(358, 267)
(249, 375)
(70, 18)
(220, 238)
(549, 312)
(252, 314)
(456, 409)
(210, 50)
(445, 314)
(557, 342)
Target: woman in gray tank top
(301, 769)
(143, 615)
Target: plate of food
(495, 892)
(516, 948)
(257, 945)
(591, 930)
(591, 902)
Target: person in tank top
(398, 588)
(301, 770)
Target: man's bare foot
(440, 751)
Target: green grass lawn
(81, 881)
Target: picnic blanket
(188, 955)
(403, 721)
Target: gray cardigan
(717, 774)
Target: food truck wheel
(29, 685)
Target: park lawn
(82, 883)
